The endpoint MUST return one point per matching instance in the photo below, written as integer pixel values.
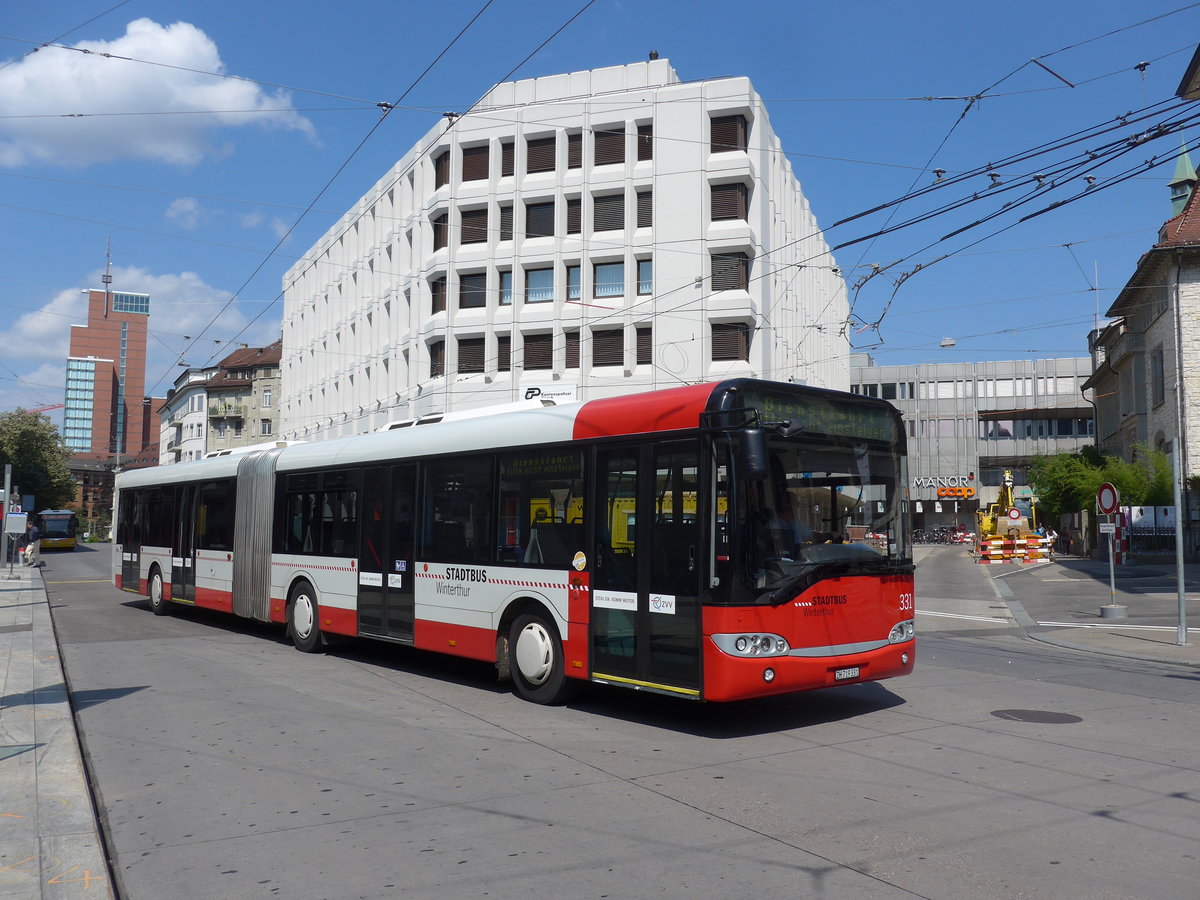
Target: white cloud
(44, 333)
(251, 220)
(107, 90)
(184, 212)
(40, 386)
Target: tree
(31, 444)
(1067, 482)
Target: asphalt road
(229, 764)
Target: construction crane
(46, 408)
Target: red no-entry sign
(1108, 498)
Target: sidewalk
(1059, 602)
(49, 838)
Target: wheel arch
(294, 579)
(516, 607)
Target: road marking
(90, 581)
(1104, 625)
(1021, 568)
(944, 615)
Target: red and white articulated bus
(715, 542)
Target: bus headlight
(751, 645)
(902, 631)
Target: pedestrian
(33, 544)
(1051, 539)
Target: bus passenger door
(183, 563)
(645, 618)
(385, 556)
(131, 540)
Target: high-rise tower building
(105, 414)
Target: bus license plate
(845, 674)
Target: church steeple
(1183, 182)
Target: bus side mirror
(752, 454)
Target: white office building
(573, 236)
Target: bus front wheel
(303, 621)
(535, 659)
(158, 603)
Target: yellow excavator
(1005, 533)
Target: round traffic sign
(1014, 514)
(1108, 498)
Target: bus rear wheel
(535, 659)
(304, 618)
(158, 603)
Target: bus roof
(670, 409)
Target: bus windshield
(829, 505)
(57, 525)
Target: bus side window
(541, 507)
(458, 510)
(214, 518)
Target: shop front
(944, 502)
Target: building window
(505, 288)
(645, 209)
(645, 274)
(470, 355)
(728, 133)
(503, 353)
(729, 201)
(574, 215)
(506, 222)
(608, 280)
(266, 398)
(539, 155)
(474, 226)
(608, 212)
(507, 158)
(888, 390)
(645, 142)
(437, 290)
(574, 151)
(539, 285)
(610, 146)
(539, 219)
(437, 359)
(645, 345)
(440, 231)
(472, 291)
(730, 342)
(608, 347)
(130, 303)
(573, 286)
(539, 351)
(571, 357)
(475, 163)
(264, 426)
(1158, 391)
(730, 271)
(441, 169)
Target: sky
(211, 143)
